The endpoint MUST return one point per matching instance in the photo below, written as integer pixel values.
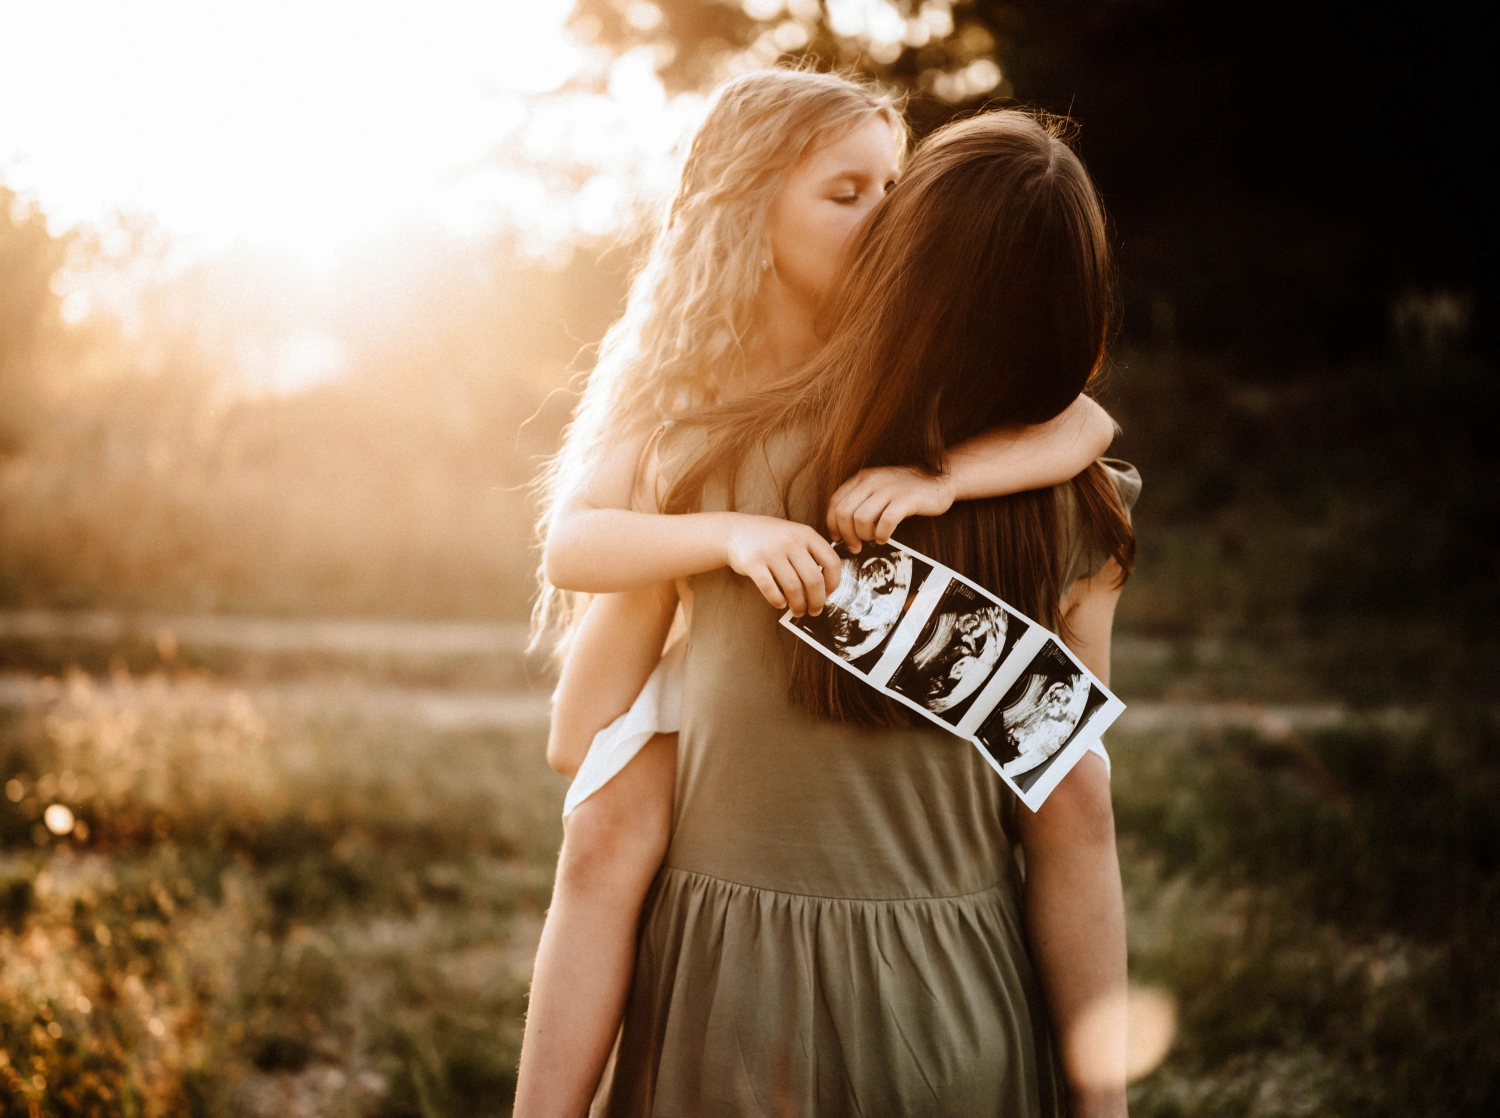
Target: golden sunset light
(308, 127)
(883, 557)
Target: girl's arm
(606, 536)
(613, 652)
(1075, 909)
(873, 502)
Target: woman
(838, 925)
(785, 167)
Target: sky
(313, 126)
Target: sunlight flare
(310, 127)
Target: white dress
(656, 710)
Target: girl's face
(825, 198)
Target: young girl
(785, 168)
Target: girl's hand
(873, 502)
(789, 563)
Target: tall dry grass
(262, 910)
(153, 493)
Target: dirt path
(274, 635)
(518, 711)
(446, 709)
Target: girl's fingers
(791, 585)
(768, 588)
(889, 521)
(812, 581)
(841, 506)
(854, 487)
(841, 527)
(831, 515)
(835, 510)
(844, 518)
(824, 555)
(868, 515)
(848, 534)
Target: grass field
(296, 884)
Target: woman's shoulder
(1127, 480)
(1084, 550)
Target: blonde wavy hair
(694, 317)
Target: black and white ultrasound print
(959, 648)
(1041, 713)
(929, 638)
(876, 588)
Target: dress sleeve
(1085, 557)
(1127, 480)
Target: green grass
(1328, 914)
(269, 915)
(281, 910)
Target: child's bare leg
(613, 844)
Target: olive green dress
(837, 926)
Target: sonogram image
(875, 589)
(1046, 706)
(958, 649)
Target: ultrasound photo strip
(944, 646)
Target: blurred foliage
(262, 910)
(1358, 510)
(272, 908)
(944, 52)
(29, 327)
(1327, 909)
(148, 474)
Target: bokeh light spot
(1151, 1029)
(58, 818)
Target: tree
(30, 257)
(941, 51)
(1276, 182)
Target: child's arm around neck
(1015, 459)
(606, 535)
(996, 463)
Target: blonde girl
(784, 169)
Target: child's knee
(618, 836)
(609, 842)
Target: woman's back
(837, 925)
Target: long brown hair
(977, 296)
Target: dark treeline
(1307, 276)
(1304, 364)
(1306, 350)
(1280, 176)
